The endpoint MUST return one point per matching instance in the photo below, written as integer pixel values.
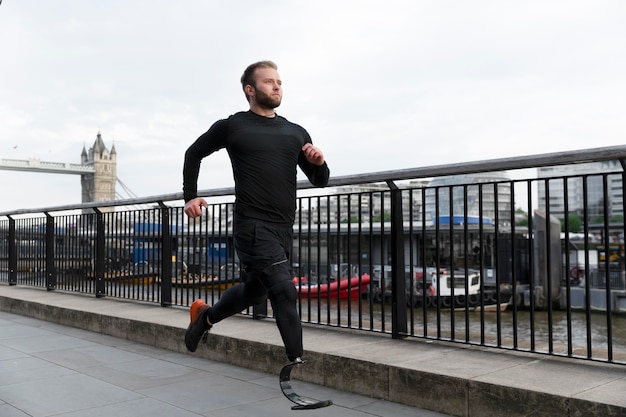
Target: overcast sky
(379, 85)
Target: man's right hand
(193, 208)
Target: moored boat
(459, 290)
(122, 277)
(204, 281)
(343, 288)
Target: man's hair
(248, 75)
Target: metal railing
(465, 253)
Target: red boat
(344, 288)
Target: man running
(265, 150)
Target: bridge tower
(99, 185)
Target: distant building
(99, 185)
(575, 175)
(373, 201)
(364, 203)
(464, 193)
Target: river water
(580, 336)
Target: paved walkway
(121, 358)
(48, 369)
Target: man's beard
(267, 101)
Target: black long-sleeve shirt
(264, 154)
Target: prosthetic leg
(302, 403)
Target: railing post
(100, 252)
(398, 284)
(51, 274)
(259, 311)
(12, 252)
(166, 256)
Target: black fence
(522, 254)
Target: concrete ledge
(448, 378)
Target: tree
(521, 218)
(574, 223)
(386, 218)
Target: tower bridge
(35, 165)
(97, 170)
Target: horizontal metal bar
(501, 164)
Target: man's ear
(250, 90)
